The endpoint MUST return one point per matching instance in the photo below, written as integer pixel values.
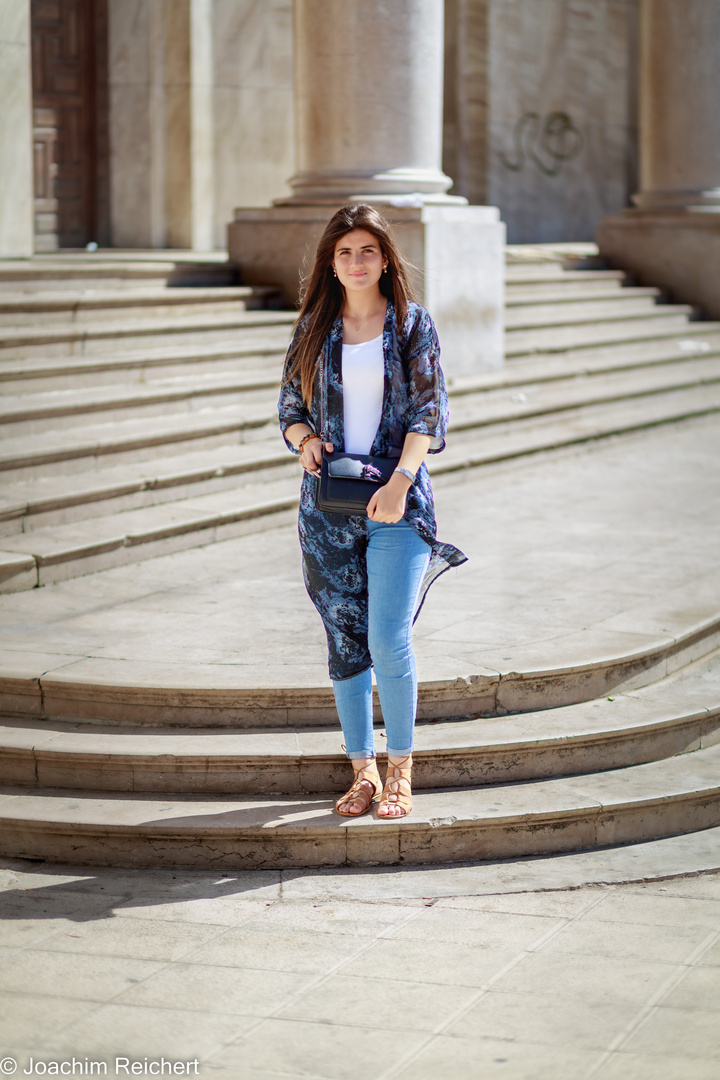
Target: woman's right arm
(311, 453)
(295, 424)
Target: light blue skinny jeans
(397, 558)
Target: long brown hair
(322, 296)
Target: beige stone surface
(254, 150)
(161, 128)
(458, 250)
(679, 160)
(678, 249)
(572, 65)
(16, 130)
(499, 612)
(261, 984)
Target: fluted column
(368, 100)
(671, 237)
(368, 114)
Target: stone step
(54, 500)
(627, 805)
(116, 269)
(117, 539)
(699, 339)
(564, 292)
(661, 320)
(91, 306)
(61, 452)
(107, 337)
(253, 392)
(59, 410)
(549, 432)
(569, 255)
(39, 680)
(260, 361)
(554, 279)
(609, 733)
(263, 357)
(59, 552)
(528, 400)
(57, 500)
(525, 311)
(641, 343)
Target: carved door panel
(63, 68)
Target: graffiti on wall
(549, 143)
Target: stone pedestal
(459, 252)
(672, 236)
(16, 203)
(368, 122)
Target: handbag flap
(360, 467)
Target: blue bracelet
(406, 472)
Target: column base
(458, 250)
(678, 250)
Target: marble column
(368, 119)
(16, 131)
(671, 237)
(379, 132)
(161, 154)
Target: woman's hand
(311, 457)
(388, 502)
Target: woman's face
(358, 261)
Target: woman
(363, 372)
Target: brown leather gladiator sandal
(360, 790)
(397, 791)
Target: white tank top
(363, 377)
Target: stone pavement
(328, 976)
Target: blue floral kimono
(333, 545)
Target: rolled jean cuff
(399, 753)
(355, 754)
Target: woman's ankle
(359, 764)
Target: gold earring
(334, 272)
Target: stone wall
(252, 105)
(200, 116)
(541, 111)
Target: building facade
(148, 123)
(145, 123)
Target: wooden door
(63, 71)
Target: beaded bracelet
(306, 438)
(406, 472)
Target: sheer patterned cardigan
(414, 399)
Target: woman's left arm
(388, 502)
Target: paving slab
(288, 985)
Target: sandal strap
(393, 792)
(358, 793)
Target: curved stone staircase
(145, 434)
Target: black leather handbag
(348, 481)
